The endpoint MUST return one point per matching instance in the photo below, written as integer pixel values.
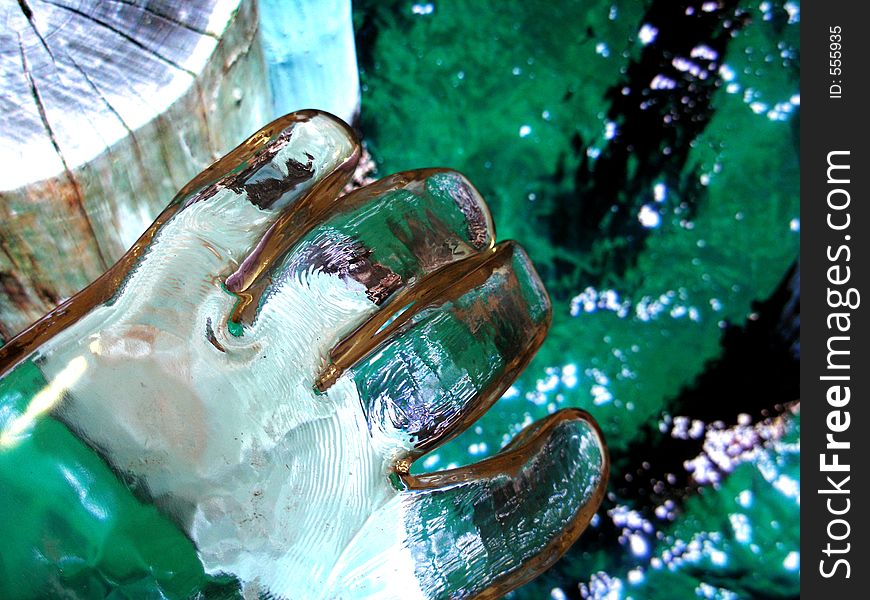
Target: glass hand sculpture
(233, 408)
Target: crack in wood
(28, 13)
(168, 17)
(79, 200)
(85, 76)
(134, 142)
(124, 35)
(103, 99)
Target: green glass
(233, 409)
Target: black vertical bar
(835, 367)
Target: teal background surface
(646, 156)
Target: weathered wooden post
(106, 110)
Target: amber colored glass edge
(509, 462)
(107, 284)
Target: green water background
(646, 156)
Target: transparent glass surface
(233, 409)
